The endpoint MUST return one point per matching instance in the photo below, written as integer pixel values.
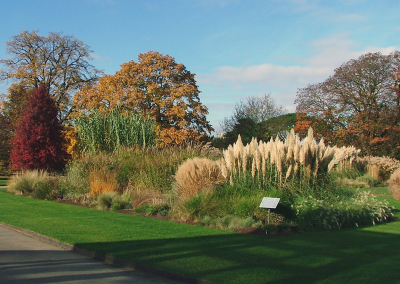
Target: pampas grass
(380, 168)
(394, 184)
(196, 174)
(280, 162)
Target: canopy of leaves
(155, 86)
(258, 109)
(38, 141)
(60, 63)
(359, 105)
(251, 119)
(5, 145)
(280, 125)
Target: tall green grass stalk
(111, 131)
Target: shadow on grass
(351, 256)
(58, 266)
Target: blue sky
(236, 48)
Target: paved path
(24, 259)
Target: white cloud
(230, 82)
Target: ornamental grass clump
(394, 184)
(380, 168)
(26, 182)
(101, 181)
(36, 183)
(197, 174)
(111, 131)
(340, 211)
(292, 164)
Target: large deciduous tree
(5, 145)
(249, 119)
(257, 109)
(359, 105)
(155, 86)
(58, 62)
(38, 140)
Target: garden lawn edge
(107, 259)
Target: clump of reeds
(394, 184)
(196, 174)
(111, 131)
(380, 168)
(279, 162)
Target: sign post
(269, 203)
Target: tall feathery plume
(327, 158)
(263, 166)
(253, 168)
(338, 157)
(257, 157)
(267, 151)
(223, 168)
(245, 158)
(253, 147)
(290, 142)
(321, 149)
(280, 157)
(289, 171)
(313, 156)
(238, 147)
(227, 157)
(273, 151)
(297, 148)
(296, 169)
(303, 153)
(310, 134)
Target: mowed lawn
(360, 255)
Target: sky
(236, 48)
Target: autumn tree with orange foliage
(359, 105)
(155, 86)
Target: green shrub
(340, 212)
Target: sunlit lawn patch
(368, 254)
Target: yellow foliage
(71, 138)
(155, 86)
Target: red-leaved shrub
(38, 140)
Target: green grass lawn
(3, 180)
(360, 255)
